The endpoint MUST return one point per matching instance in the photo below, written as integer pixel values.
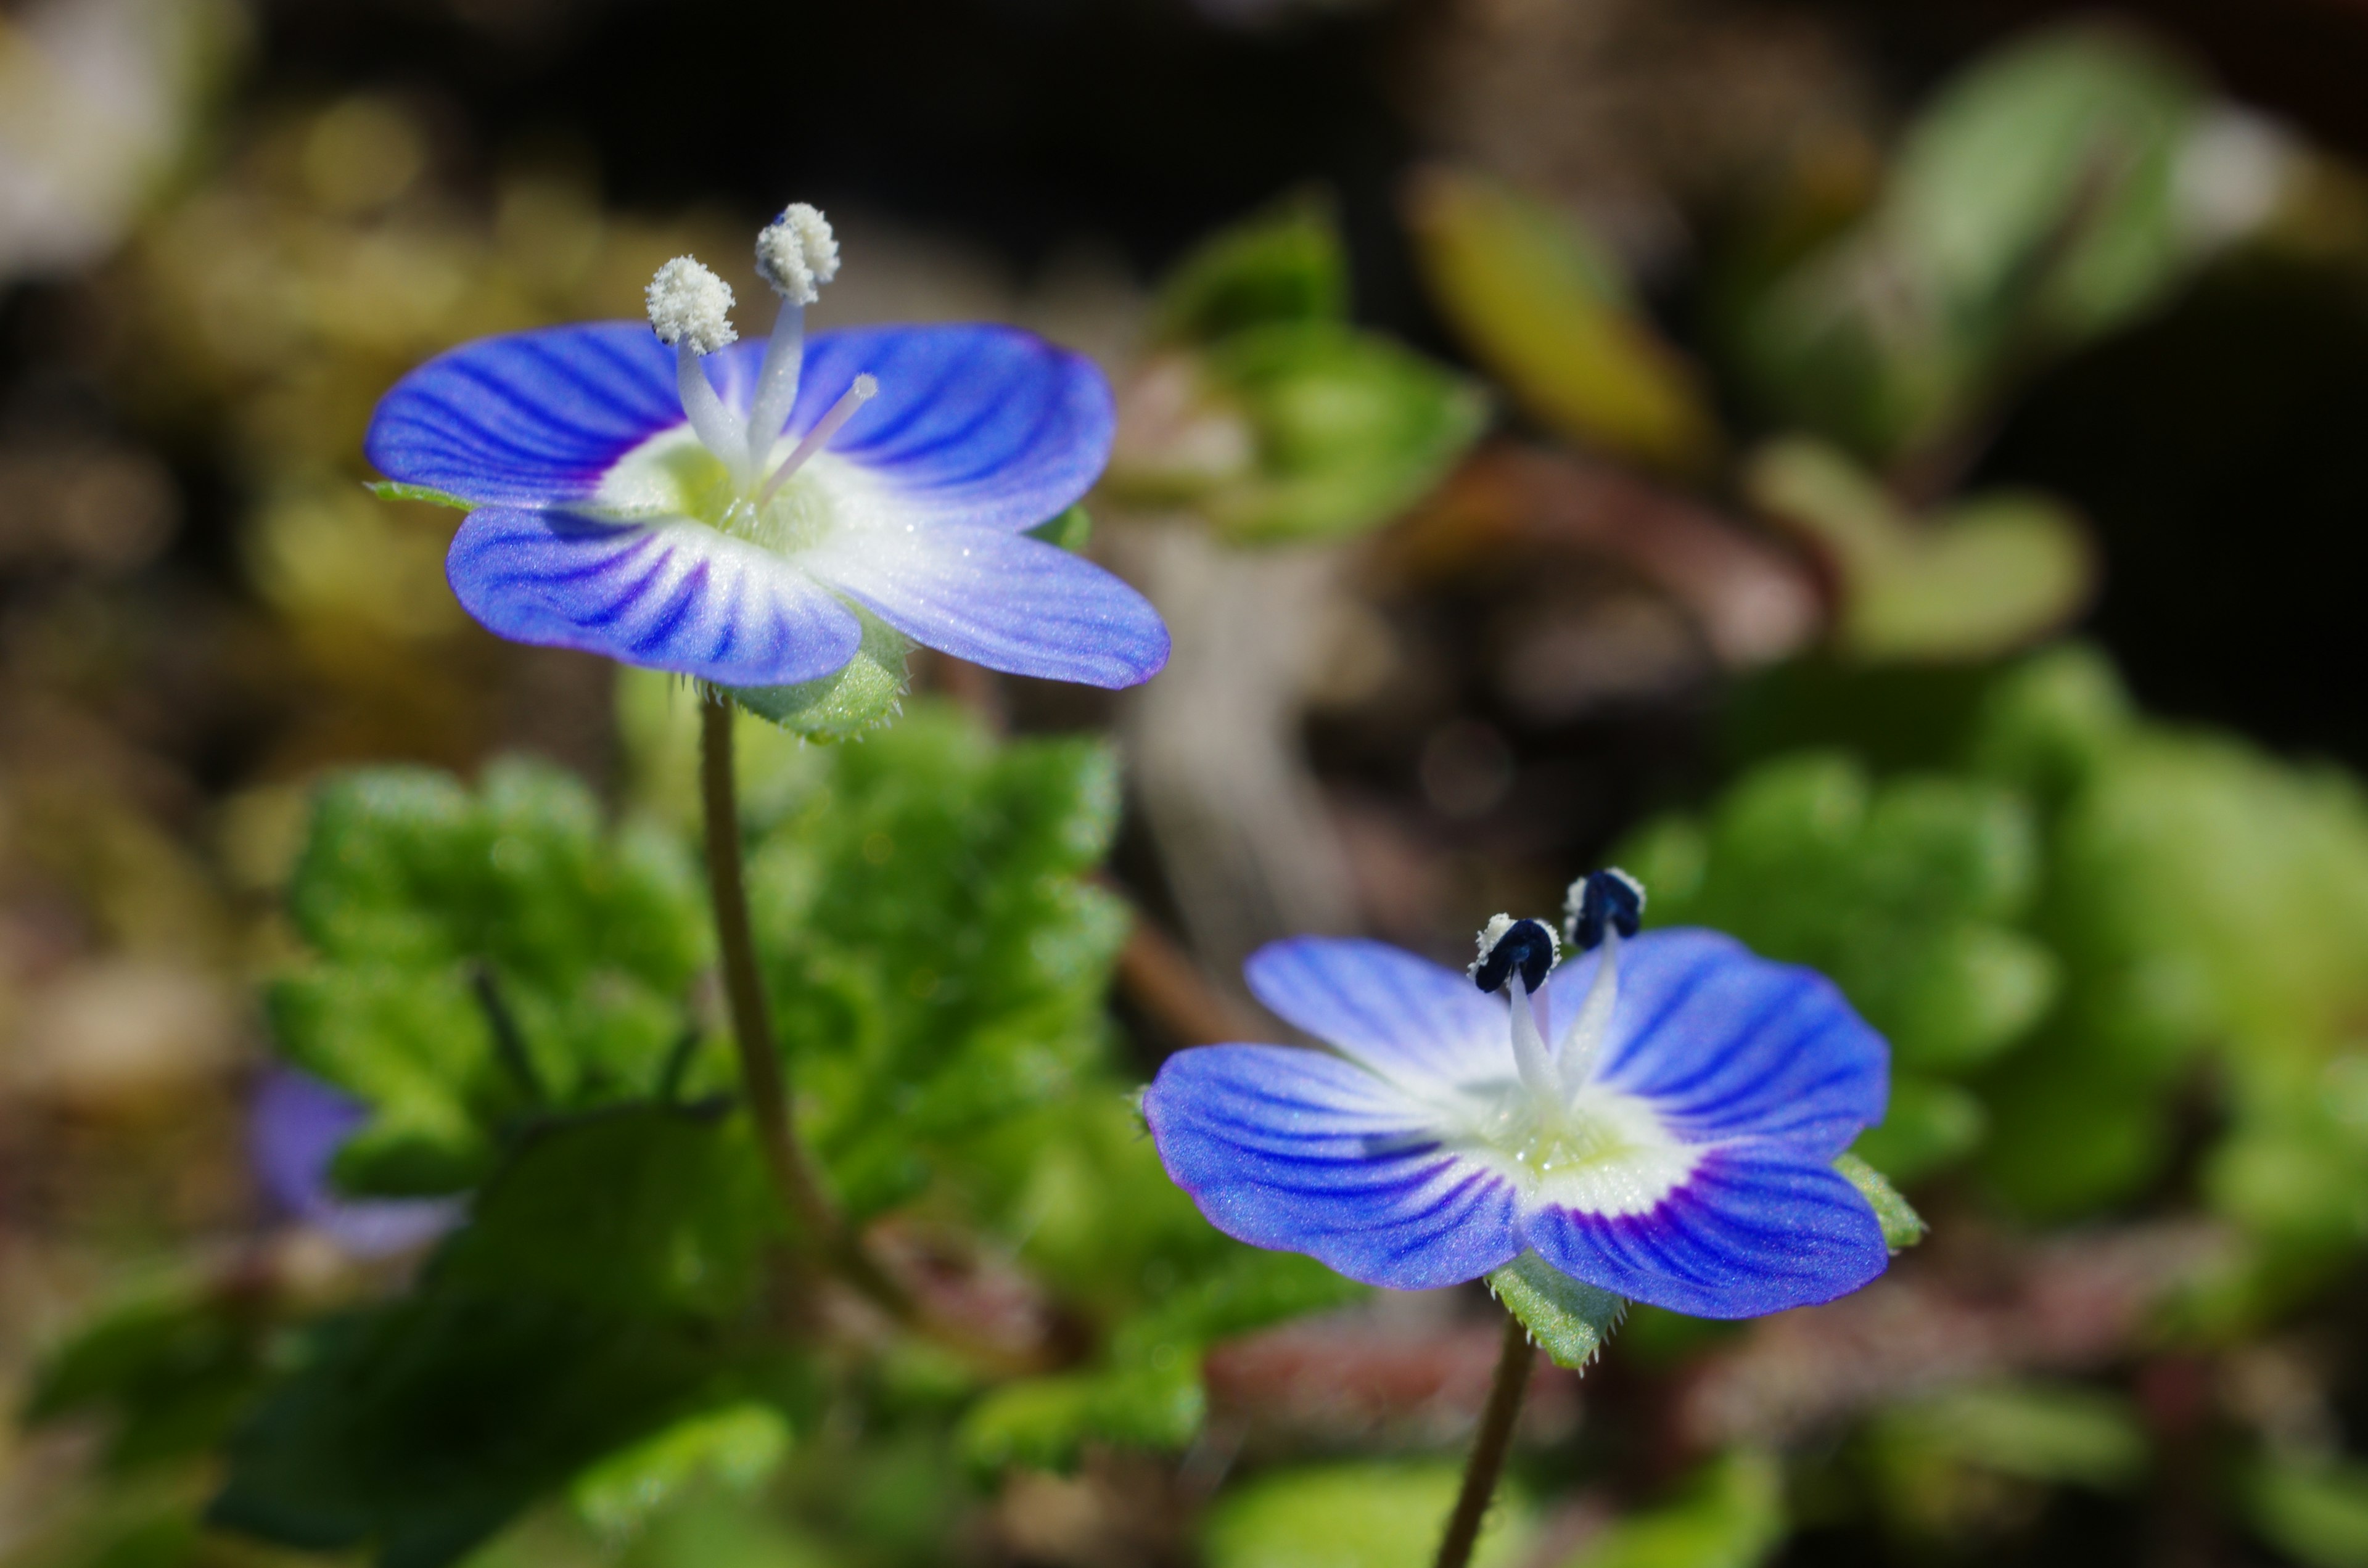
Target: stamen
(1530, 1057)
(1600, 901)
(1584, 1044)
(796, 254)
(824, 429)
(691, 308)
(1508, 944)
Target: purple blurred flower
(295, 1128)
(1672, 1142)
(723, 511)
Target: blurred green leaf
(1902, 1226)
(1984, 576)
(1929, 1125)
(1546, 309)
(2054, 1433)
(1350, 430)
(481, 958)
(1730, 1515)
(935, 960)
(170, 1371)
(1353, 1515)
(2035, 203)
(862, 695)
(738, 1445)
(1283, 265)
(2314, 1512)
(604, 1289)
(1567, 1318)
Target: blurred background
(1893, 477)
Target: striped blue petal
(670, 594)
(1725, 1044)
(979, 425)
(533, 418)
(999, 599)
(1303, 1151)
(1753, 1231)
(1406, 1017)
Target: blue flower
(295, 1128)
(1672, 1142)
(723, 511)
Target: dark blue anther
(1603, 898)
(1525, 946)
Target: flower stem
(1489, 1445)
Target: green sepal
(1569, 1319)
(1068, 530)
(1902, 1226)
(864, 694)
(395, 490)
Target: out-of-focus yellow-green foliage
(1547, 310)
(1363, 1516)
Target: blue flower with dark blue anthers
(1658, 1117)
(724, 512)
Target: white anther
(798, 254)
(690, 306)
(1490, 934)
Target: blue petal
(296, 1126)
(1726, 1045)
(999, 599)
(1303, 1151)
(1751, 1231)
(672, 595)
(1406, 1016)
(987, 426)
(534, 418)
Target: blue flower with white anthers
(690, 503)
(1658, 1118)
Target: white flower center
(1561, 1137)
(691, 308)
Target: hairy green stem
(752, 1028)
(1489, 1445)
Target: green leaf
(2313, 1511)
(1729, 1515)
(861, 696)
(1283, 265)
(1569, 1319)
(392, 490)
(1543, 306)
(738, 1445)
(480, 959)
(2052, 1432)
(1902, 1226)
(1929, 1125)
(605, 1287)
(2034, 204)
(1350, 430)
(1988, 574)
(1354, 1515)
(935, 961)
(170, 1371)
